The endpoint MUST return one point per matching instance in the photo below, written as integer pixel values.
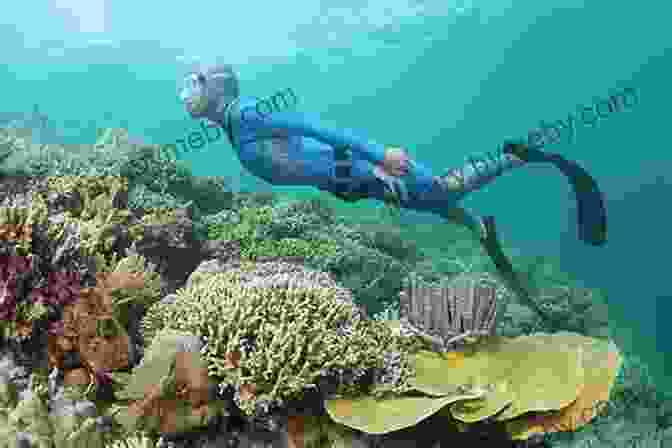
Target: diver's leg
(421, 190)
(460, 216)
(485, 231)
(477, 173)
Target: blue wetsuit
(289, 148)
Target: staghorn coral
(274, 330)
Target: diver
(288, 148)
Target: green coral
(14, 218)
(99, 235)
(297, 334)
(124, 298)
(90, 188)
(249, 231)
(159, 216)
(28, 415)
(99, 217)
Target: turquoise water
(447, 80)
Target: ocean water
(445, 79)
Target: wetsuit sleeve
(297, 124)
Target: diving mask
(193, 93)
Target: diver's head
(205, 92)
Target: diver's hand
(396, 162)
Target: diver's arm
(298, 124)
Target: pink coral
(11, 266)
(7, 301)
(62, 288)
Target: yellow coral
(295, 332)
(601, 363)
(17, 223)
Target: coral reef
(274, 329)
(143, 305)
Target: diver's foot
(523, 152)
(452, 181)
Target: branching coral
(273, 336)
(266, 232)
(102, 224)
(159, 216)
(17, 224)
(29, 414)
(296, 229)
(95, 192)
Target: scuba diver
(285, 147)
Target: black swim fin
(592, 215)
(504, 267)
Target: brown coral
(77, 377)
(296, 431)
(84, 319)
(192, 389)
(16, 232)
